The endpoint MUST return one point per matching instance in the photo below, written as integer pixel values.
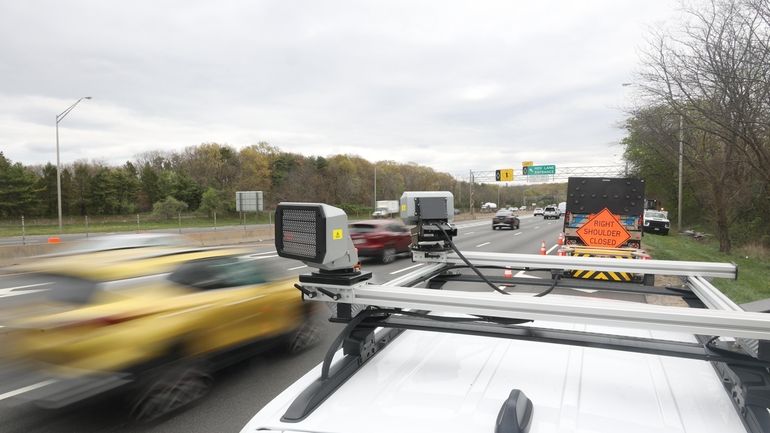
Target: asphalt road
(241, 390)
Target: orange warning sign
(603, 230)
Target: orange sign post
(603, 230)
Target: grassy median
(753, 262)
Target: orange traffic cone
(54, 240)
(561, 252)
(542, 248)
(560, 241)
(508, 273)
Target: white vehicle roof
(432, 382)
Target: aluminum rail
(559, 309)
(710, 295)
(663, 267)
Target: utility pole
(374, 206)
(679, 200)
(470, 195)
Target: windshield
(503, 213)
(655, 214)
(362, 228)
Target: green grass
(753, 281)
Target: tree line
(204, 178)
(706, 84)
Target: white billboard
(249, 201)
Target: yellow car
(161, 338)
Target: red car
(382, 239)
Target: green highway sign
(535, 170)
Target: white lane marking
(587, 290)
(481, 245)
(517, 233)
(537, 227)
(28, 388)
(296, 267)
(551, 249)
(262, 254)
(406, 269)
(470, 233)
(521, 274)
(10, 291)
(264, 257)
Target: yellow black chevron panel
(602, 275)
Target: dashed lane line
(23, 290)
(481, 245)
(521, 274)
(262, 254)
(296, 267)
(28, 388)
(551, 249)
(517, 233)
(406, 269)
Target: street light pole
(59, 118)
(679, 200)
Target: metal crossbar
(558, 309)
(531, 261)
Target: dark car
(382, 239)
(505, 218)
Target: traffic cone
(507, 273)
(54, 240)
(542, 248)
(561, 252)
(560, 241)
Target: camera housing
(432, 212)
(315, 233)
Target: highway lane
(240, 391)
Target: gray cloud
(452, 85)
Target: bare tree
(717, 68)
(714, 72)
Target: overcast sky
(452, 85)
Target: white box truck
(385, 209)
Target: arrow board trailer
(603, 218)
(453, 347)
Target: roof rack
(398, 305)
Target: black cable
(556, 278)
(462, 257)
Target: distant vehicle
(382, 239)
(385, 209)
(122, 242)
(562, 207)
(538, 211)
(523, 208)
(505, 218)
(488, 207)
(551, 212)
(160, 341)
(656, 221)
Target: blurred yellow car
(160, 338)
